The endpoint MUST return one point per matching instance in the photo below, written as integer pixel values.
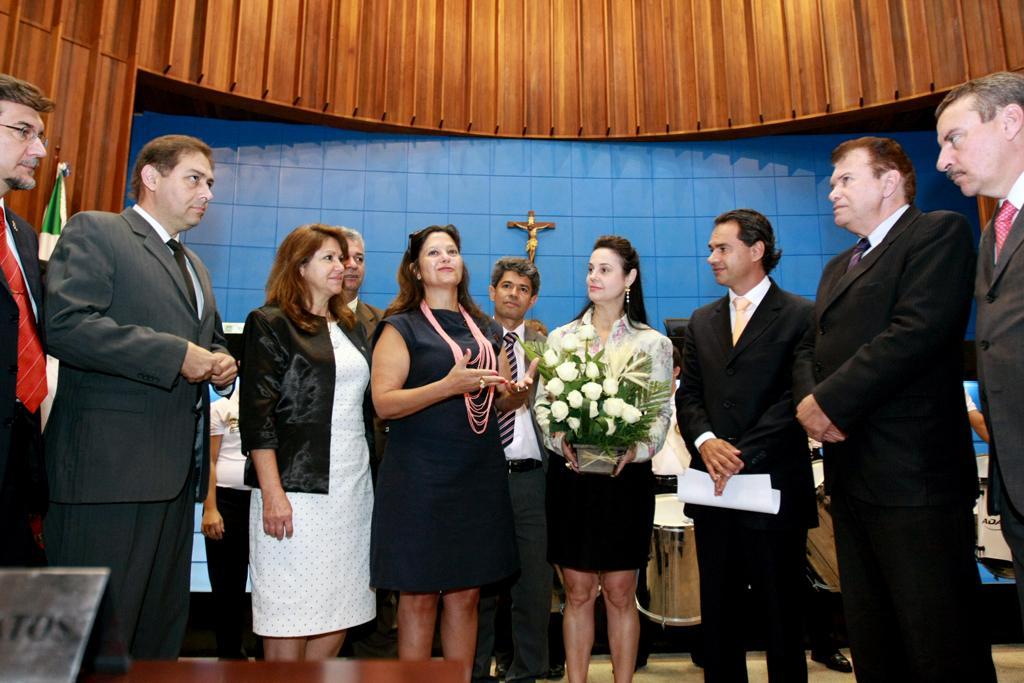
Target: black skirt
(597, 522)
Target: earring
(627, 296)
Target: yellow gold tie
(740, 321)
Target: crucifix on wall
(532, 227)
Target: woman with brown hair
(442, 525)
(305, 420)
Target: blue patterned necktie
(858, 253)
(507, 420)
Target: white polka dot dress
(318, 580)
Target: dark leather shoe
(834, 660)
(556, 672)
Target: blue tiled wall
(662, 196)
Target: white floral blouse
(642, 338)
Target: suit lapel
(986, 249)
(205, 284)
(872, 257)
(155, 246)
(721, 325)
(765, 314)
(1010, 246)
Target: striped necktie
(858, 253)
(1003, 223)
(507, 420)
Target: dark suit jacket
(123, 427)
(999, 334)
(27, 245)
(369, 317)
(744, 395)
(288, 396)
(884, 360)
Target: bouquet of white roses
(605, 400)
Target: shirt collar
(755, 295)
(163, 234)
(519, 331)
(352, 305)
(876, 236)
(1016, 196)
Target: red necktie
(1003, 222)
(31, 382)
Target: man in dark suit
(878, 378)
(735, 407)
(132, 318)
(515, 284)
(23, 494)
(981, 136)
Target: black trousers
(148, 548)
(23, 492)
(911, 592)
(731, 557)
(227, 562)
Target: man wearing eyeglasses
(23, 492)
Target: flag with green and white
(56, 215)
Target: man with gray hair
(980, 127)
(355, 270)
(515, 283)
(380, 638)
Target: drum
(666, 483)
(673, 584)
(991, 544)
(821, 541)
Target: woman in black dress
(442, 521)
(599, 527)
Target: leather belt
(524, 465)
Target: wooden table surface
(334, 671)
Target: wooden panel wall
(624, 69)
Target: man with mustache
(22, 349)
(132, 318)
(980, 128)
(878, 379)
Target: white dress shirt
(524, 440)
(876, 236)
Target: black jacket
(744, 395)
(884, 360)
(287, 396)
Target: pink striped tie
(1003, 223)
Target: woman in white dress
(305, 420)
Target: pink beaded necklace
(478, 404)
